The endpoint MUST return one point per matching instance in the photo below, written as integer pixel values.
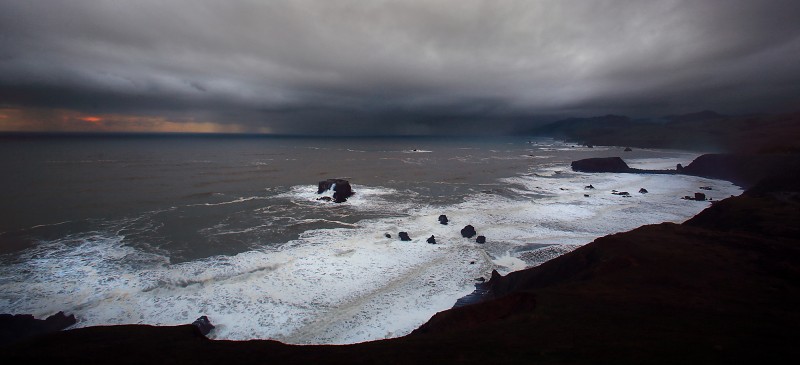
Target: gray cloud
(398, 66)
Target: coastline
(374, 287)
(587, 272)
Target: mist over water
(163, 230)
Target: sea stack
(341, 189)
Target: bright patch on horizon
(64, 120)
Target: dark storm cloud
(398, 66)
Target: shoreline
(355, 263)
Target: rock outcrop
(18, 327)
(404, 236)
(481, 239)
(743, 170)
(601, 164)
(431, 240)
(341, 189)
(203, 324)
(697, 196)
(443, 219)
(468, 231)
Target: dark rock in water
(341, 189)
(472, 262)
(481, 279)
(468, 231)
(325, 198)
(443, 219)
(589, 187)
(643, 191)
(628, 149)
(705, 188)
(17, 327)
(602, 164)
(431, 240)
(590, 146)
(203, 324)
(404, 236)
(586, 195)
(697, 196)
(679, 168)
(387, 235)
(622, 193)
(480, 239)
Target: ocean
(163, 229)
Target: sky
(387, 67)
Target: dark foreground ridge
(13, 327)
(723, 287)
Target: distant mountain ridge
(700, 116)
(705, 130)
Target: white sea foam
(235, 201)
(347, 284)
(664, 163)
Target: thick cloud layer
(397, 66)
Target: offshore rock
(341, 189)
(431, 240)
(443, 219)
(601, 164)
(404, 236)
(468, 231)
(481, 239)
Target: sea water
(163, 229)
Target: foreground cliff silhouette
(724, 287)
